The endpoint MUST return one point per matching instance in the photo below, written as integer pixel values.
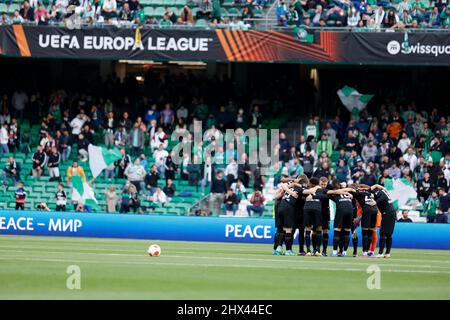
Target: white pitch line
(299, 267)
(356, 261)
(284, 261)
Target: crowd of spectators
(370, 15)
(74, 13)
(395, 143)
(68, 125)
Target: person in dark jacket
(54, 158)
(12, 170)
(230, 202)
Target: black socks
(288, 239)
(308, 241)
(325, 241)
(336, 239)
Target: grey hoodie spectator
(369, 151)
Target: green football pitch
(36, 268)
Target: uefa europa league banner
(188, 228)
(411, 48)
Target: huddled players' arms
(287, 190)
(377, 186)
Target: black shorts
(286, 216)
(326, 220)
(312, 218)
(369, 217)
(278, 224)
(343, 219)
(388, 222)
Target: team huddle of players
(303, 204)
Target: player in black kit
(287, 211)
(388, 218)
(279, 235)
(313, 214)
(325, 217)
(365, 198)
(345, 208)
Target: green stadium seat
(13, 7)
(3, 8)
(145, 3)
(169, 3)
(148, 11)
(180, 3)
(159, 12)
(201, 23)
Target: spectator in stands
(160, 155)
(83, 144)
(20, 196)
(169, 189)
(194, 172)
(322, 171)
(307, 161)
(125, 13)
(444, 205)
(204, 10)
(136, 174)
(121, 137)
(231, 172)
(27, 12)
(151, 179)
(165, 21)
(369, 151)
(136, 140)
(12, 171)
(404, 217)
(109, 9)
(255, 118)
(231, 202)
(185, 18)
(75, 170)
(257, 203)
(54, 159)
(17, 18)
(4, 19)
(218, 190)
(111, 199)
(61, 198)
(39, 159)
(159, 197)
(324, 145)
(4, 139)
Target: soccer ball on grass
(154, 250)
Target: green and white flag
(353, 100)
(100, 158)
(400, 191)
(82, 192)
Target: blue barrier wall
(249, 230)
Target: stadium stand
(360, 15)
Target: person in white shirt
(160, 155)
(109, 9)
(160, 137)
(231, 172)
(159, 197)
(77, 125)
(4, 138)
(378, 17)
(411, 158)
(404, 142)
